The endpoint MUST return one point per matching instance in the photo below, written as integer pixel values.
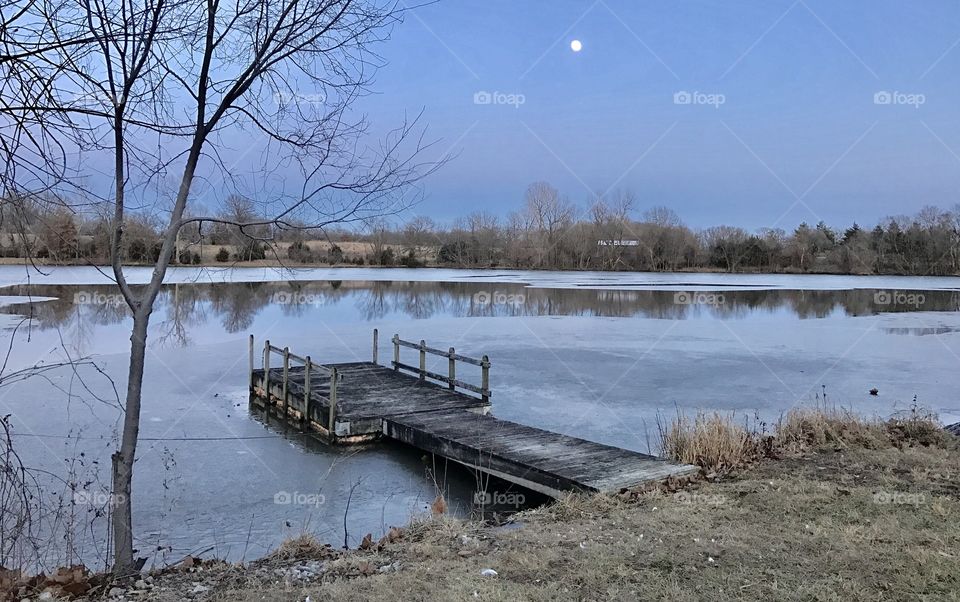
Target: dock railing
(309, 369)
(450, 379)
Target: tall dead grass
(720, 443)
(713, 441)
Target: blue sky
(791, 122)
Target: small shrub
(335, 255)
(916, 425)
(252, 250)
(223, 255)
(410, 261)
(299, 251)
(386, 257)
(137, 251)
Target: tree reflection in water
(80, 309)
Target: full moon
(576, 46)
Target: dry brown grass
(720, 443)
(300, 547)
(714, 441)
(835, 524)
(870, 510)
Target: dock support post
(396, 352)
(286, 377)
(376, 344)
(423, 359)
(266, 370)
(251, 362)
(485, 377)
(305, 415)
(452, 369)
(331, 423)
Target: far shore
(291, 265)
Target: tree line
(547, 232)
(550, 232)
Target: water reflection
(182, 307)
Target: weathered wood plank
(374, 399)
(545, 461)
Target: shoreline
(294, 266)
(836, 506)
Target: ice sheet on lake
(79, 275)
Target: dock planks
(366, 392)
(404, 403)
(534, 458)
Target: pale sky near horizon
(741, 112)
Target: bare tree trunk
(123, 459)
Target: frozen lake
(597, 355)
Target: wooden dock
(441, 414)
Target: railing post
(423, 359)
(266, 370)
(251, 362)
(452, 369)
(286, 377)
(376, 344)
(485, 377)
(331, 423)
(396, 351)
(305, 415)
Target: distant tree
(335, 255)
(299, 251)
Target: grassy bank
(824, 506)
(827, 507)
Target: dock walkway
(353, 402)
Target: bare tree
(163, 87)
(550, 215)
(418, 233)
